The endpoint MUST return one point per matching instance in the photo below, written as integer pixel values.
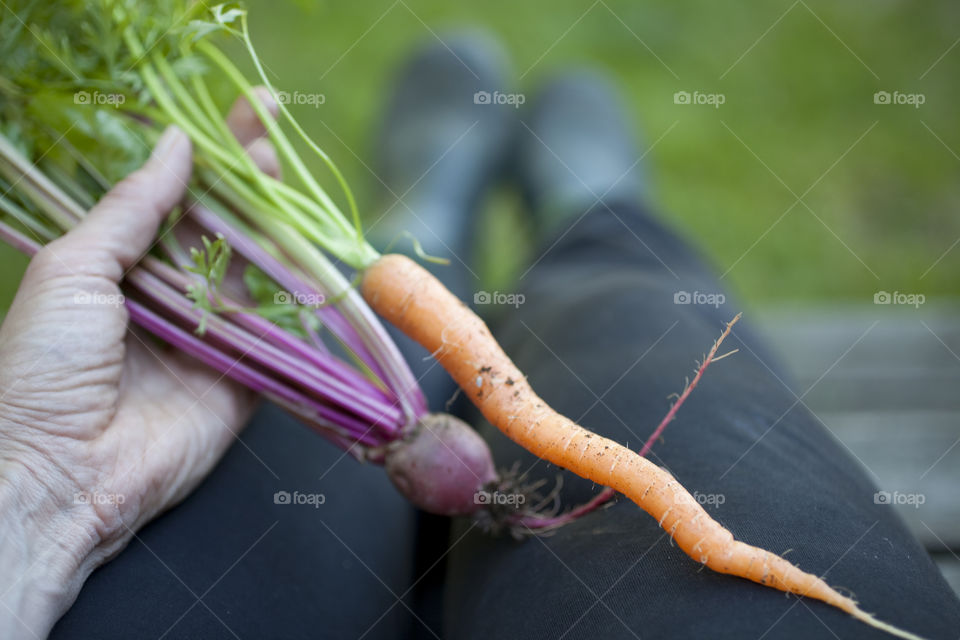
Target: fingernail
(266, 97)
(171, 137)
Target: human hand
(101, 428)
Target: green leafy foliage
(71, 87)
(221, 19)
(87, 86)
(278, 306)
(211, 264)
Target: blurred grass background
(798, 78)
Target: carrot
(417, 303)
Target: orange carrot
(414, 301)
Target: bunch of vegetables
(86, 87)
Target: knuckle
(76, 258)
(131, 192)
(264, 155)
(50, 260)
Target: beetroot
(442, 466)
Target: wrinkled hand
(101, 428)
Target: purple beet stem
(315, 413)
(393, 369)
(320, 357)
(258, 349)
(285, 278)
(18, 241)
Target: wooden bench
(889, 390)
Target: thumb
(122, 226)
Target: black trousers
(616, 311)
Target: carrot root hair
(533, 523)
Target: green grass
(798, 100)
